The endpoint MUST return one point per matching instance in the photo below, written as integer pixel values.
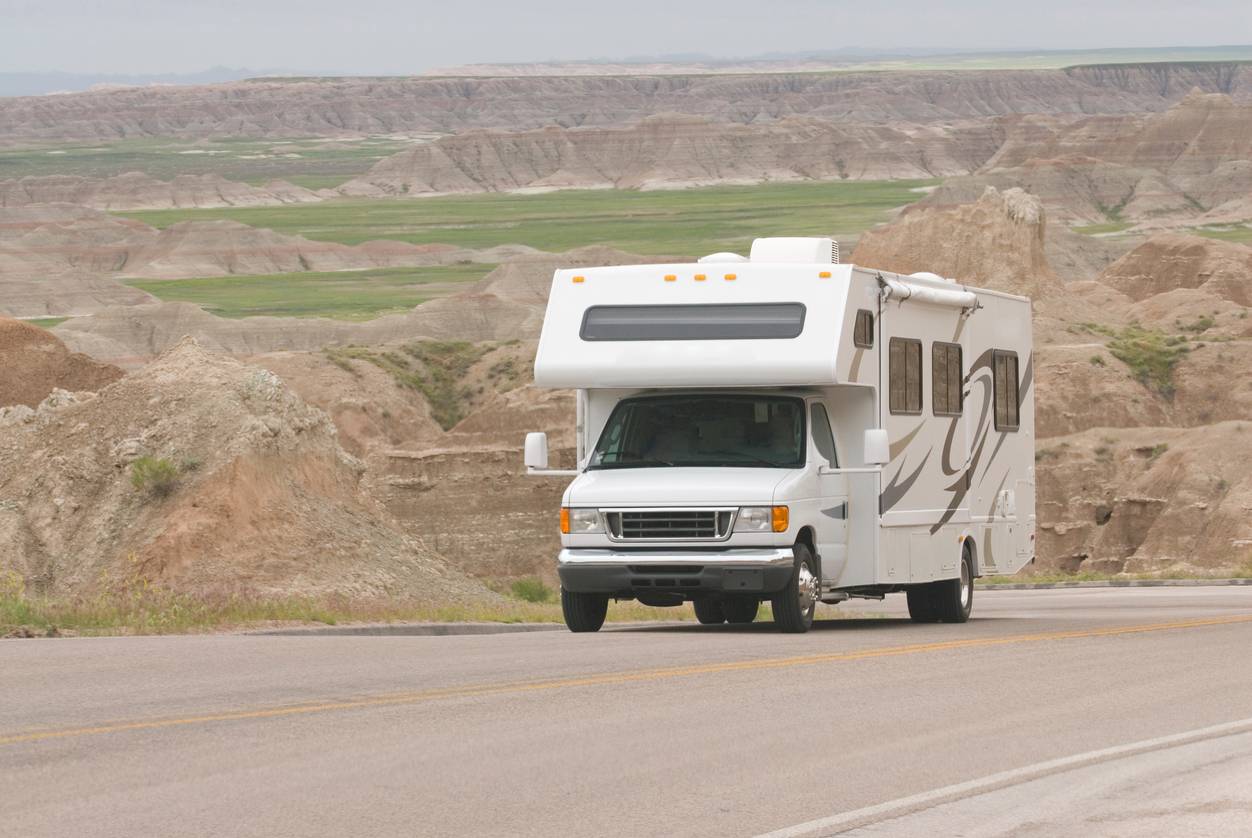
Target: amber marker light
(701, 277)
(730, 277)
(580, 279)
(564, 520)
(671, 278)
(780, 518)
(824, 275)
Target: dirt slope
(266, 502)
(33, 363)
(136, 191)
(353, 107)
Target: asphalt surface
(648, 731)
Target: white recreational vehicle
(790, 429)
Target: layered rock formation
(1191, 164)
(355, 107)
(138, 191)
(673, 151)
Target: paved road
(656, 731)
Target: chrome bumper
(735, 557)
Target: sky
(409, 36)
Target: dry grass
(150, 610)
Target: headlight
(580, 521)
(762, 519)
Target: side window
(863, 331)
(1006, 395)
(823, 437)
(905, 375)
(945, 379)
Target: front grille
(670, 524)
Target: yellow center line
(611, 678)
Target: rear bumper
(762, 570)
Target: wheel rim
(806, 588)
(967, 587)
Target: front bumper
(628, 573)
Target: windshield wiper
(633, 463)
(752, 457)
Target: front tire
(709, 611)
(584, 612)
(740, 610)
(796, 603)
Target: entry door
(832, 490)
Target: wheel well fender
(970, 544)
(808, 538)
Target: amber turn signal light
(780, 518)
(564, 520)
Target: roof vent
(722, 257)
(804, 251)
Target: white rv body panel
(959, 477)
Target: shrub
(155, 475)
(1097, 360)
(1151, 356)
(532, 589)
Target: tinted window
(733, 321)
(905, 374)
(863, 331)
(1006, 395)
(945, 379)
(700, 430)
(823, 437)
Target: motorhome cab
(788, 429)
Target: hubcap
(806, 587)
(966, 586)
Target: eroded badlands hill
(1191, 164)
(262, 500)
(35, 363)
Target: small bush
(532, 589)
(1202, 324)
(155, 475)
(1097, 360)
(1157, 450)
(1151, 356)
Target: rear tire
(955, 597)
(584, 612)
(740, 610)
(949, 601)
(709, 611)
(922, 604)
(796, 603)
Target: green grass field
(312, 163)
(1240, 234)
(47, 322)
(688, 223)
(342, 295)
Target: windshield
(699, 430)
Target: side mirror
(536, 456)
(877, 447)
